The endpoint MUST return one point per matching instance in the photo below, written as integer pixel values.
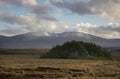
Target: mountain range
(48, 40)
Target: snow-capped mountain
(47, 40)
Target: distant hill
(47, 40)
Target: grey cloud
(10, 30)
(11, 19)
(108, 31)
(114, 27)
(40, 15)
(79, 7)
(52, 27)
(31, 21)
(104, 8)
(42, 11)
(18, 3)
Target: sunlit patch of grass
(27, 66)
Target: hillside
(47, 40)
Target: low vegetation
(28, 65)
(77, 50)
(32, 67)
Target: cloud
(10, 30)
(49, 27)
(28, 19)
(42, 17)
(42, 11)
(28, 22)
(53, 27)
(104, 8)
(19, 3)
(111, 30)
(78, 7)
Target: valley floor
(30, 66)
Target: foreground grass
(30, 66)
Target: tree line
(77, 50)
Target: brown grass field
(26, 64)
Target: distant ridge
(47, 40)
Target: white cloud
(10, 30)
(111, 30)
(29, 2)
(106, 8)
(41, 17)
(56, 27)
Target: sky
(96, 17)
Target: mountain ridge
(47, 40)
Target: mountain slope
(47, 40)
